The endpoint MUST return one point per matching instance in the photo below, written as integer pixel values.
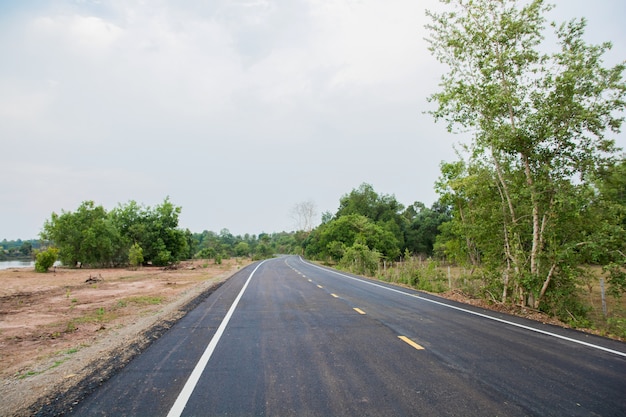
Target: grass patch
(99, 315)
(142, 300)
(55, 364)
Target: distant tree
(345, 231)
(242, 249)
(384, 210)
(26, 249)
(304, 214)
(423, 226)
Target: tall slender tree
(540, 122)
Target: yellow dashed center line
(334, 295)
(319, 286)
(410, 342)
(358, 310)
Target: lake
(16, 264)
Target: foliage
(87, 236)
(44, 259)
(18, 249)
(423, 227)
(379, 223)
(383, 210)
(95, 237)
(154, 229)
(523, 204)
(360, 259)
(331, 239)
(135, 255)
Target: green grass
(55, 364)
(143, 300)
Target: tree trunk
(544, 287)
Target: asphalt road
(288, 338)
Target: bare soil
(64, 332)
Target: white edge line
(569, 339)
(192, 381)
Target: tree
(86, 236)
(384, 210)
(423, 226)
(304, 214)
(611, 185)
(26, 248)
(345, 231)
(540, 122)
(155, 230)
(242, 249)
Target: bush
(135, 256)
(360, 259)
(45, 259)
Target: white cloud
(218, 104)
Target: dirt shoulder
(64, 332)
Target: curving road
(288, 338)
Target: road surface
(285, 337)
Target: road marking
(475, 313)
(410, 342)
(190, 385)
(334, 295)
(358, 310)
(319, 286)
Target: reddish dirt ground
(59, 328)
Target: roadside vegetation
(534, 209)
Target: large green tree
(331, 240)
(87, 236)
(154, 229)
(382, 209)
(540, 122)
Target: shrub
(360, 259)
(45, 259)
(135, 256)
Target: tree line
(369, 228)
(132, 234)
(17, 249)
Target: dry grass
(462, 285)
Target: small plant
(71, 327)
(45, 259)
(135, 256)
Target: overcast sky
(235, 109)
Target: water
(16, 264)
